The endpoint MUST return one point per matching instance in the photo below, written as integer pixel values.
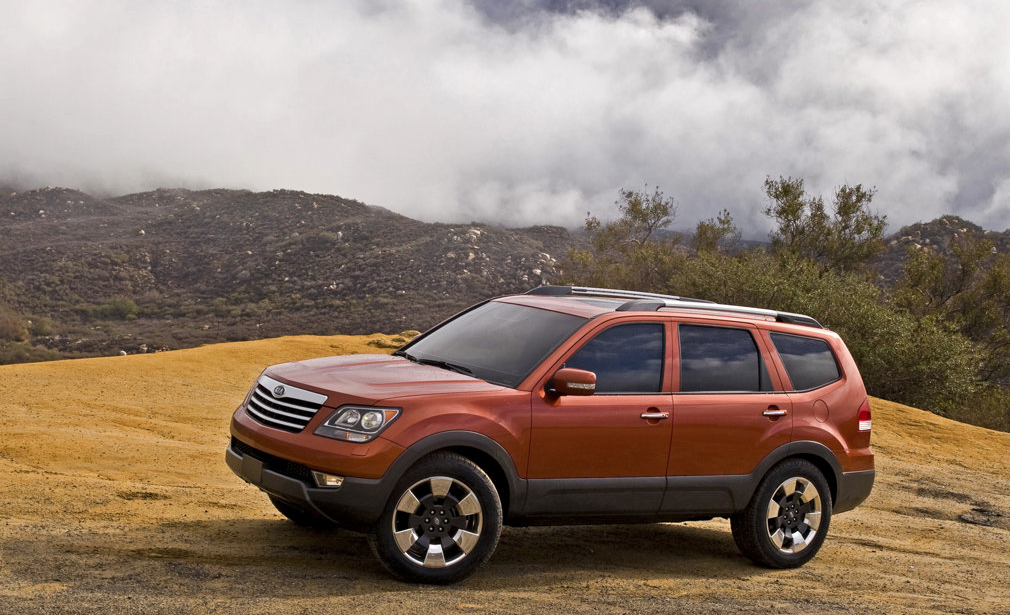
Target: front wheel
(786, 521)
(441, 523)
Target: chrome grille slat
(275, 404)
(268, 409)
(271, 421)
(290, 412)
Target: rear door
(729, 409)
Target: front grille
(273, 463)
(282, 406)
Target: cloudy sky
(524, 112)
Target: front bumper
(357, 504)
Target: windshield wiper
(459, 369)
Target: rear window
(809, 361)
(714, 359)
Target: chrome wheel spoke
(809, 493)
(469, 505)
(408, 502)
(789, 487)
(434, 558)
(466, 541)
(440, 486)
(405, 539)
(799, 542)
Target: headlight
(356, 423)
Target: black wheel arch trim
(820, 455)
(461, 442)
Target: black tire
(298, 516)
(441, 523)
(786, 521)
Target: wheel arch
(483, 451)
(816, 453)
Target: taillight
(864, 416)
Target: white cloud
(431, 108)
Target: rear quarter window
(809, 361)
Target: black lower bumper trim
(853, 489)
(357, 504)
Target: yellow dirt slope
(114, 496)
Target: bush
(13, 328)
(118, 308)
(41, 326)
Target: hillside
(176, 268)
(936, 235)
(115, 498)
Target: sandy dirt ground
(115, 498)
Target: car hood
(376, 377)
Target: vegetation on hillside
(170, 269)
(936, 339)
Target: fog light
(327, 481)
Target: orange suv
(567, 405)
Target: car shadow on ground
(250, 557)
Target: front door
(606, 453)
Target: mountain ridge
(172, 268)
(85, 275)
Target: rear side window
(809, 361)
(625, 358)
(714, 359)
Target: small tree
(629, 252)
(848, 239)
(715, 234)
(12, 327)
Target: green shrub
(119, 307)
(41, 326)
(12, 327)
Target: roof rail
(589, 291)
(650, 302)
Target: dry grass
(115, 498)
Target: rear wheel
(441, 523)
(787, 519)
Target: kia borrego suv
(567, 405)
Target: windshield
(498, 342)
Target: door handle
(774, 412)
(655, 416)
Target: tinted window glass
(809, 361)
(625, 358)
(720, 359)
(498, 342)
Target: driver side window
(625, 358)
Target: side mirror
(571, 381)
